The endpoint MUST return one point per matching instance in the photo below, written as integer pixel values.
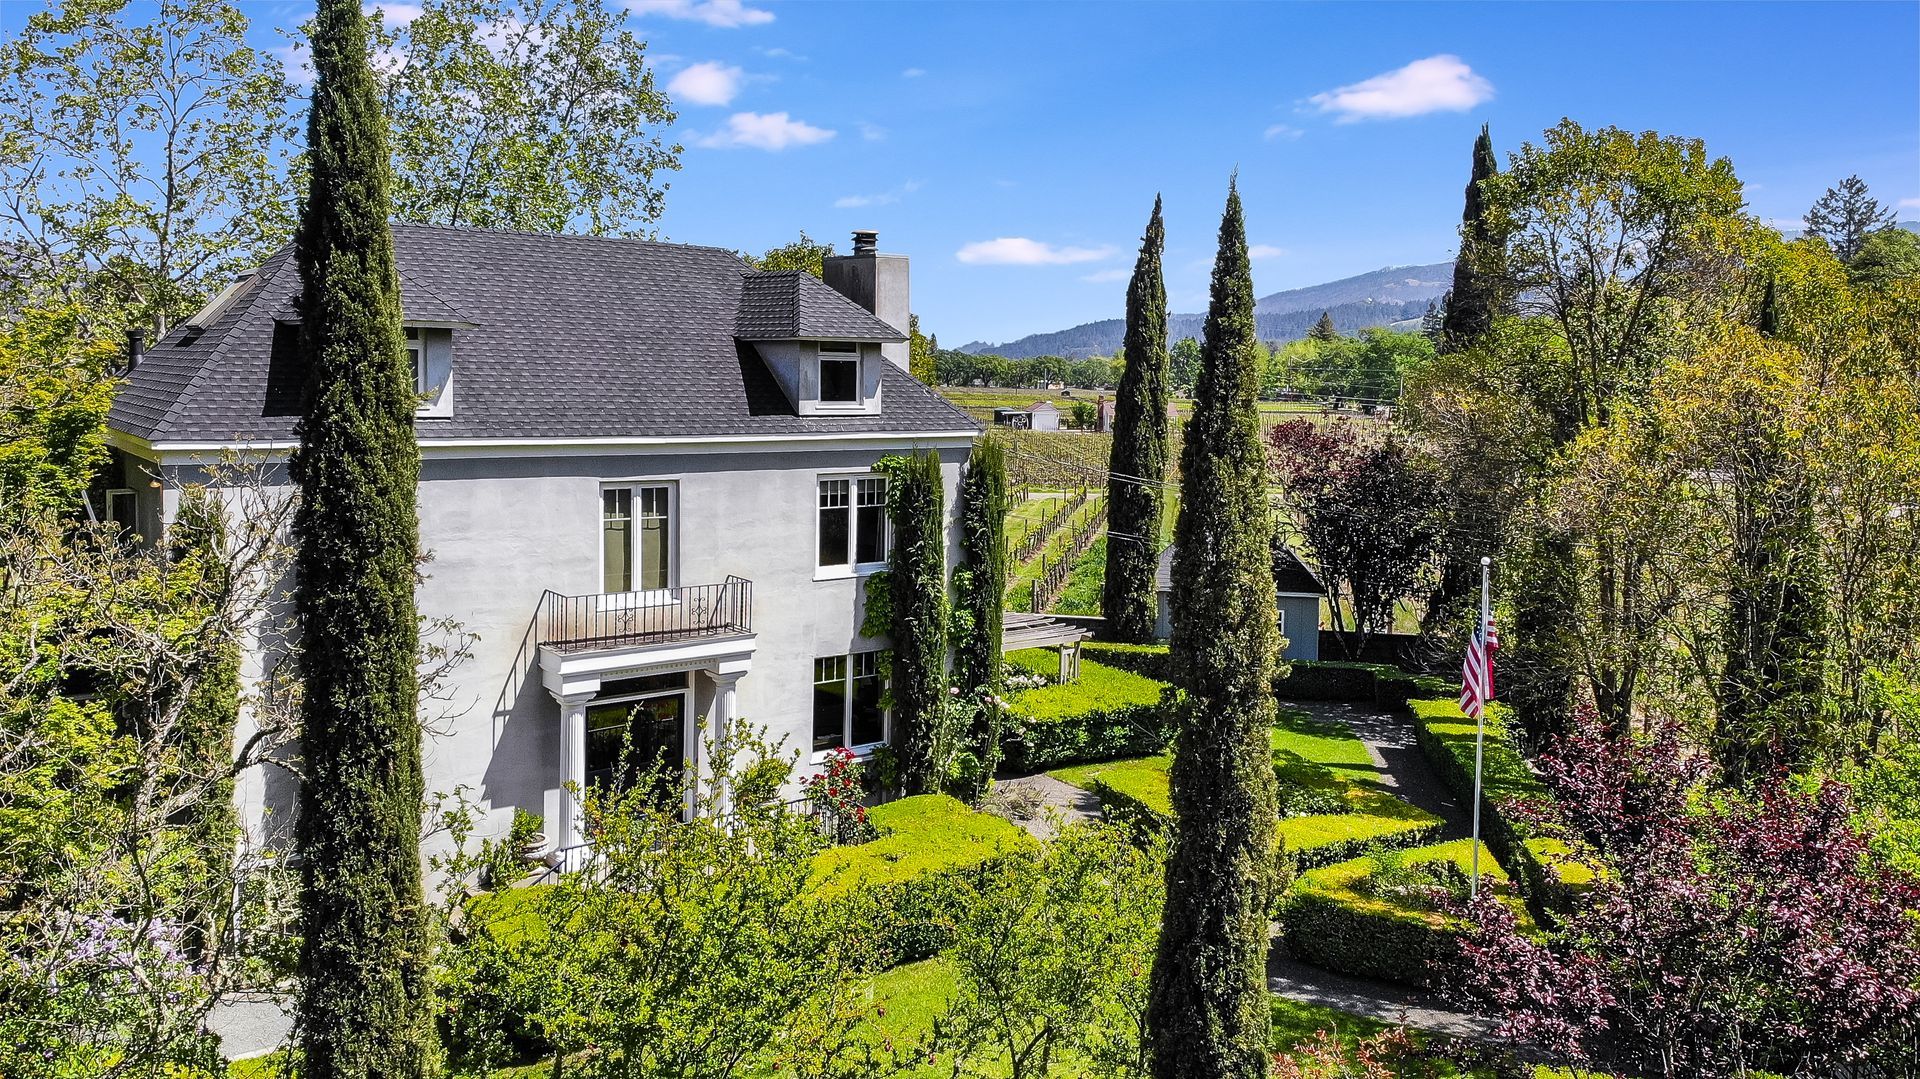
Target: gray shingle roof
(787, 305)
(571, 337)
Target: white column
(720, 729)
(573, 766)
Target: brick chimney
(876, 282)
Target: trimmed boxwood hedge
(1330, 920)
(1105, 714)
(1446, 735)
(928, 844)
(1306, 680)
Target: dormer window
(417, 359)
(839, 373)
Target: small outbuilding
(1297, 595)
(1043, 416)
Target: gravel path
(1043, 793)
(1394, 1004)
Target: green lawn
(1307, 754)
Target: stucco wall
(499, 532)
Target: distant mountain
(1394, 294)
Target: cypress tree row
(1208, 1010)
(976, 657)
(1477, 269)
(1139, 449)
(918, 579)
(362, 1008)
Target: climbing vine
(916, 503)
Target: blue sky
(1013, 150)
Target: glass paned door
(629, 740)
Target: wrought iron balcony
(654, 616)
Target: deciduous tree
(540, 115)
(1208, 1013)
(362, 1006)
(1138, 463)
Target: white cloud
(872, 132)
(913, 72)
(1283, 131)
(1910, 204)
(1265, 251)
(1101, 277)
(779, 53)
(765, 131)
(1437, 84)
(726, 14)
(884, 198)
(1020, 251)
(707, 83)
(394, 14)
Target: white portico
(628, 670)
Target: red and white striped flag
(1476, 674)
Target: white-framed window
(636, 538)
(116, 506)
(417, 359)
(847, 709)
(1280, 620)
(839, 373)
(853, 522)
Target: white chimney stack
(876, 282)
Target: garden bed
(1104, 715)
(1544, 874)
(1382, 916)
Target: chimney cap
(866, 241)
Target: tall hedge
(1208, 1007)
(983, 581)
(918, 579)
(1139, 459)
(363, 992)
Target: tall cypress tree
(918, 583)
(976, 656)
(1139, 458)
(362, 1007)
(1208, 1011)
(1477, 269)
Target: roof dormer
(823, 349)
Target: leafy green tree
(980, 586)
(362, 1009)
(1208, 1014)
(802, 254)
(1324, 329)
(1480, 266)
(920, 352)
(650, 962)
(1889, 255)
(539, 115)
(1614, 242)
(1138, 464)
(1845, 215)
(1052, 953)
(1184, 366)
(918, 582)
(126, 236)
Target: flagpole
(1480, 731)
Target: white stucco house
(646, 486)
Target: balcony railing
(626, 619)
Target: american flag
(1476, 674)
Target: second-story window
(636, 538)
(853, 522)
(839, 373)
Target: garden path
(1035, 795)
